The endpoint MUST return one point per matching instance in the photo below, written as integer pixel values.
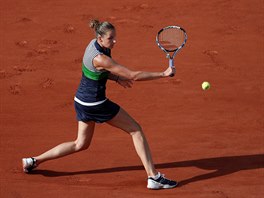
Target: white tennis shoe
(160, 183)
(29, 164)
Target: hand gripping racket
(170, 40)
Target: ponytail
(100, 28)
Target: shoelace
(163, 178)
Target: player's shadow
(219, 166)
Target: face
(108, 40)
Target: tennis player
(92, 106)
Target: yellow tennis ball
(206, 85)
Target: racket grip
(171, 62)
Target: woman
(92, 106)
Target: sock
(34, 161)
(156, 176)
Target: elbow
(134, 76)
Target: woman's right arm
(107, 63)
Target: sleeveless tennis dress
(91, 103)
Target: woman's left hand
(126, 83)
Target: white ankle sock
(156, 176)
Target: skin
(104, 62)
(122, 120)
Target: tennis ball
(206, 85)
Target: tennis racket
(171, 40)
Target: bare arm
(105, 62)
(124, 82)
(113, 77)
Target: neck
(101, 45)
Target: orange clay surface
(211, 141)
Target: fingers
(173, 70)
(125, 83)
(170, 71)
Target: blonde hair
(100, 27)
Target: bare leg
(85, 134)
(125, 122)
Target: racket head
(171, 38)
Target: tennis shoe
(29, 164)
(160, 183)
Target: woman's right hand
(170, 71)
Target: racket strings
(171, 39)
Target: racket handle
(171, 62)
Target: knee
(136, 129)
(81, 145)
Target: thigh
(85, 131)
(125, 122)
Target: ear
(100, 38)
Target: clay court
(211, 141)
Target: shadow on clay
(220, 166)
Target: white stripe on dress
(88, 104)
